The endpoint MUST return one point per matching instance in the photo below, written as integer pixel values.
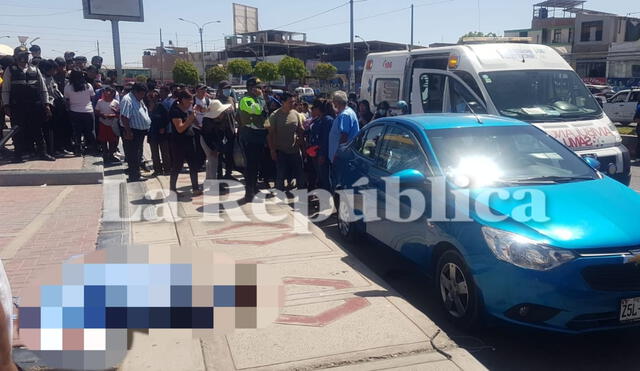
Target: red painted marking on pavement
(256, 243)
(349, 306)
(228, 241)
(243, 225)
(336, 284)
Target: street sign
(118, 10)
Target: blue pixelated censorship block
(94, 317)
(94, 274)
(180, 274)
(51, 317)
(180, 296)
(72, 296)
(116, 296)
(224, 296)
(51, 296)
(94, 296)
(73, 317)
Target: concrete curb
(89, 174)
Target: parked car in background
(306, 94)
(622, 106)
(601, 92)
(574, 269)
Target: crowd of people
(64, 107)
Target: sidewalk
(67, 170)
(337, 313)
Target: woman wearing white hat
(213, 135)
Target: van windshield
(540, 95)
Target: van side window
(635, 96)
(386, 90)
(469, 80)
(462, 101)
(432, 92)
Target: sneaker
(113, 159)
(47, 157)
(196, 192)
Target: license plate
(630, 309)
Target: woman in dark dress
(182, 141)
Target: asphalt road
(503, 347)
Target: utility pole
(98, 46)
(352, 69)
(115, 31)
(411, 43)
(200, 29)
(161, 59)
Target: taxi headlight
(523, 252)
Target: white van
(528, 82)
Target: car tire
(347, 228)
(459, 297)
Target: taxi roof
(428, 121)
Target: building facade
(603, 48)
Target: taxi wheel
(457, 291)
(347, 228)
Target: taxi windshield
(506, 154)
(540, 95)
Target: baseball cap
(34, 48)
(201, 86)
(254, 82)
(68, 56)
(224, 84)
(80, 58)
(20, 50)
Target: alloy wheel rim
(454, 290)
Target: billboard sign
(117, 10)
(245, 19)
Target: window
(369, 141)
(469, 80)
(591, 69)
(557, 36)
(591, 31)
(432, 92)
(635, 97)
(620, 97)
(462, 101)
(635, 70)
(570, 38)
(386, 90)
(399, 151)
(524, 33)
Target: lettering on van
(387, 64)
(581, 137)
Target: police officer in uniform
(252, 133)
(26, 101)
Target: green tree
(141, 78)
(266, 71)
(292, 68)
(239, 67)
(325, 71)
(185, 73)
(476, 34)
(216, 74)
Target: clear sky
(60, 24)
